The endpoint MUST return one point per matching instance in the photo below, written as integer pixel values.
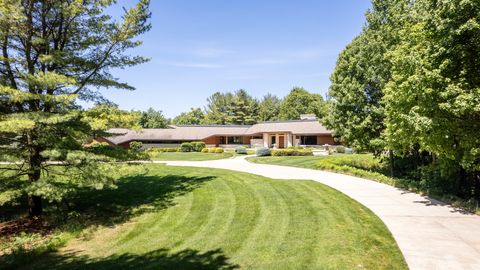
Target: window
(308, 140)
(274, 139)
(222, 140)
(234, 140)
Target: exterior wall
(255, 143)
(211, 140)
(325, 139)
(125, 145)
(103, 140)
(161, 145)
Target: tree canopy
(194, 117)
(153, 119)
(409, 83)
(299, 101)
(54, 54)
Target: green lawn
(361, 165)
(199, 218)
(190, 156)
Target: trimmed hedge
(213, 150)
(292, 152)
(241, 150)
(263, 151)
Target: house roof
(200, 132)
(292, 126)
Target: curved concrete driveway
(430, 235)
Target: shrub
(211, 150)
(198, 146)
(340, 149)
(348, 151)
(263, 151)
(219, 150)
(296, 147)
(292, 152)
(204, 150)
(135, 146)
(241, 150)
(186, 147)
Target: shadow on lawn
(134, 196)
(158, 259)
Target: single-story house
(273, 134)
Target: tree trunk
(35, 207)
(390, 154)
(35, 163)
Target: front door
(281, 141)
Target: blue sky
(198, 47)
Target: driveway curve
(430, 234)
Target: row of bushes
(212, 150)
(292, 152)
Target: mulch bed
(27, 225)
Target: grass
(368, 167)
(361, 165)
(190, 156)
(199, 218)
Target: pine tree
(54, 54)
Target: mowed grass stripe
(250, 221)
(246, 215)
(296, 250)
(217, 220)
(368, 243)
(270, 230)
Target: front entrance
(281, 141)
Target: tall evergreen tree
(269, 108)
(218, 108)
(243, 109)
(53, 54)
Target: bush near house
(241, 150)
(263, 151)
(219, 150)
(205, 150)
(186, 147)
(340, 149)
(135, 146)
(192, 146)
(198, 146)
(292, 152)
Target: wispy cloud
(210, 52)
(285, 57)
(192, 65)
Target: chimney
(308, 117)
